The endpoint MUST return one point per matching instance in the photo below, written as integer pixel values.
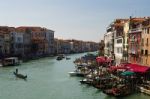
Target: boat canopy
(117, 67)
(103, 59)
(127, 73)
(137, 68)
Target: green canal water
(49, 79)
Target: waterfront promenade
(49, 79)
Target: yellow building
(145, 50)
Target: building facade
(49, 35)
(125, 41)
(17, 48)
(135, 39)
(109, 42)
(6, 40)
(118, 29)
(145, 44)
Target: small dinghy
(20, 75)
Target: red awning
(137, 68)
(103, 59)
(100, 59)
(117, 67)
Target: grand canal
(49, 79)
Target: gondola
(20, 75)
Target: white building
(109, 43)
(119, 39)
(50, 38)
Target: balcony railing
(135, 30)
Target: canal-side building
(1, 45)
(39, 43)
(118, 27)
(62, 46)
(17, 48)
(84, 47)
(76, 46)
(6, 40)
(135, 39)
(125, 40)
(26, 42)
(57, 44)
(145, 44)
(71, 47)
(109, 42)
(94, 46)
(49, 36)
(101, 48)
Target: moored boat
(68, 58)
(11, 61)
(77, 73)
(86, 81)
(118, 92)
(59, 58)
(72, 73)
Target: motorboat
(73, 73)
(59, 58)
(11, 61)
(68, 58)
(86, 81)
(77, 73)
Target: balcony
(135, 30)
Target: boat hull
(20, 76)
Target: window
(142, 61)
(120, 50)
(19, 39)
(147, 30)
(147, 42)
(142, 52)
(142, 41)
(119, 41)
(117, 50)
(146, 52)
(144, 30)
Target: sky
(71, 19)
